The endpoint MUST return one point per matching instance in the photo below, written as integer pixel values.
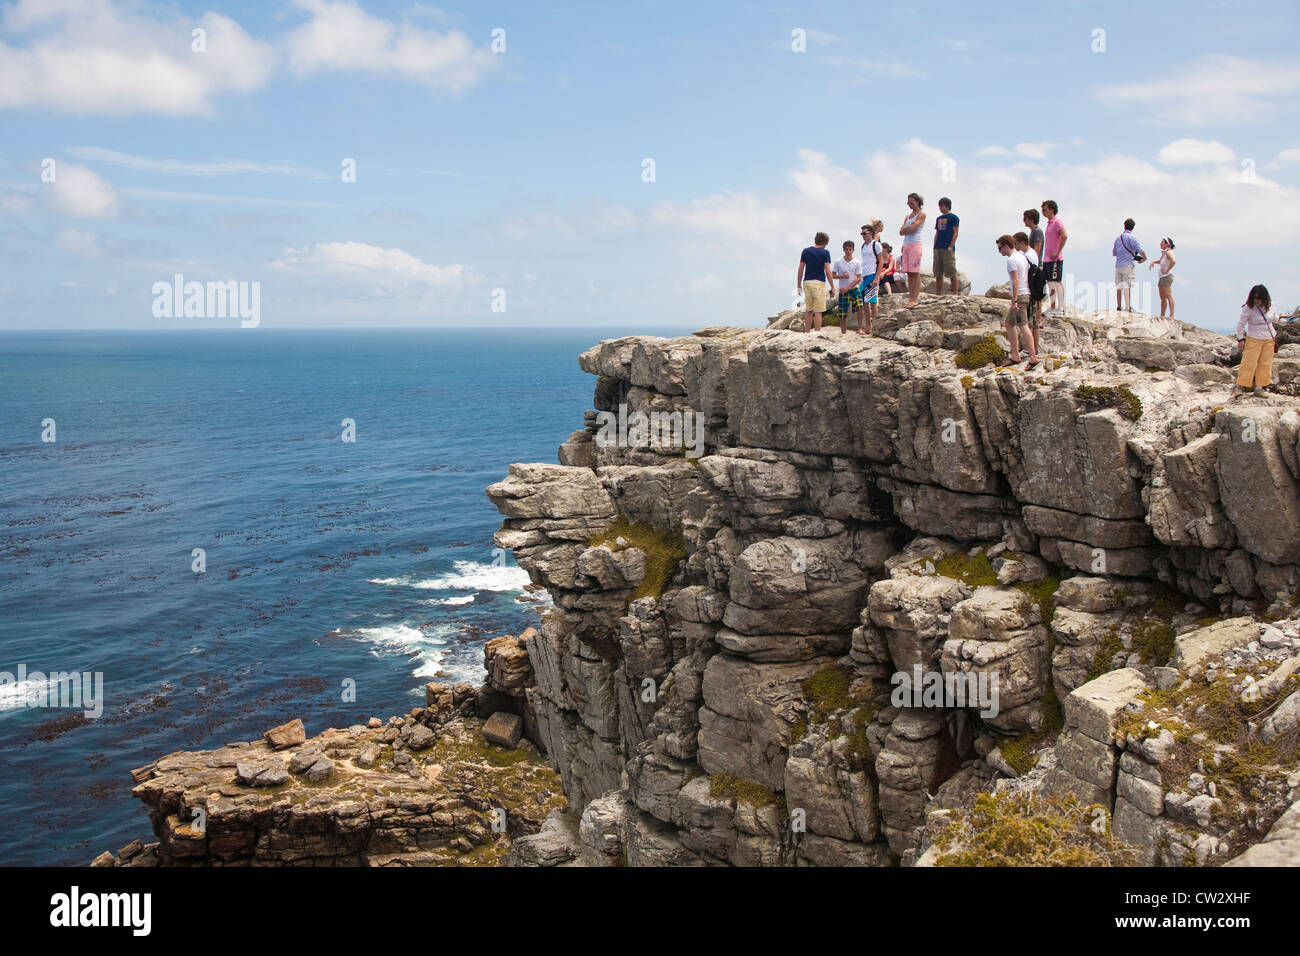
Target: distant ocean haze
(325, 562)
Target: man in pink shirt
(1053, 265)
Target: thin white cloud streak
(1216, 89)
(171, 196)
(391, 269)
(216, 167)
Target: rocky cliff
(1111, 541)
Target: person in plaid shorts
(847, 273)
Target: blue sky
(522, 170)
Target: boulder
(503, 729)
(292, 734)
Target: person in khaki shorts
(945, 246)
(1017, 327)
(814, 278)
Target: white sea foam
(464, 576)
(24, 693)
(477, 576)
(453, 601)
(424, 648)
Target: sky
(629, 165)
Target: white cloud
(342, 36)
(1034, 150)
(872, 66)
(1216, 89)
(90, 57)
(15, 201)
(993, 151)
(168, 195)
(79, 242)
(1199, 206)
(387, 268)
(1291, 155)
(214, 167)
(1192, 152)
(81, 193)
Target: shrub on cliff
(1118, 397)
(1016, 829)
(984, 352)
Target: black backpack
(1037, 282)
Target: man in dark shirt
(814, 278)
(945, 246)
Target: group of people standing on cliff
(1035, 267)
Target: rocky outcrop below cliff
(452, 783)
(1112, 540)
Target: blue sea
(328, 565)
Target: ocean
(202, 535)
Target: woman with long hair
(910, 258)
(1165, 284)
(1256, 338)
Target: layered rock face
(716, 682)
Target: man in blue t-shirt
(945, 246)
(814, 278)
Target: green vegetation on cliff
(1118, 397)
(1011, 829)
(663, 550)
(984, 352)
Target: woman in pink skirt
(909, 261)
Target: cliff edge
(757, 531)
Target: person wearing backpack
(873, 264)
(1127, 251)
(1037, 282)
(1017, 325)
(1257, 340)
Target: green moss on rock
(725, 786)
(1010, 829)
(663, 550)
(1118, 397)
(984, 352)
(974, 571)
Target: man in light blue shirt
(1127, 251)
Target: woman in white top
(910, 257)
(1256, 338)
(1165, 284)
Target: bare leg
(913, 287)
(954, 284)
(1029, 342)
